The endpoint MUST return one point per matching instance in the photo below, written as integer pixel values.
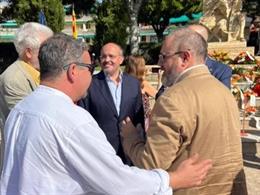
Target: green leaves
(158, 12)
(28, 11)
(111, 23)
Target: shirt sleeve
(100, 169)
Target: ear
(186, 58)
(72, 73)
(28, 53)
(121, 59)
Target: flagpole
(74, 24)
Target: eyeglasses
(112, 57)
(91, 67)
(162, 56)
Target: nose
(106, 59)
(160, 62)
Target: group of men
(67, 150)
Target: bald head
(186, 39)
(202, 30)
(114, 46)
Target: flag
(74, 25)
(42, 18)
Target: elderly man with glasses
(196, 114)
(22, 77)
(54, 147)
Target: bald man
(182, 122)
(220, 71)
(112, 96)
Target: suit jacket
(100, 104)
(15, 84)
(196, 115)
(219, 70)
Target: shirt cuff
(165, 188)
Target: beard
(170, 78)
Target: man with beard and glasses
(196, 114)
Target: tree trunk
(134, 34)
(134, 7)
(159, 36)
(159, 29)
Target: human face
(170, 61)
(111, 58)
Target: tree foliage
(28, 11)
(158, 12)
(111, 24)
(82, 7)
(252, 7)
(54, 13)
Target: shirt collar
(187, 70)
(108, 78)
(35, 74)
(48, 89)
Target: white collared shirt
(54, 147)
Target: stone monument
(226, 23)
(224, 20)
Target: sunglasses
(91, 67)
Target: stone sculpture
(224, 20)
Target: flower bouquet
(244, 58)
(221, 56)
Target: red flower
(256, 89)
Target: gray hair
(29, 36)
(58, 51)
(187, 39)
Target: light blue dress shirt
(56, 147)
(115, 90)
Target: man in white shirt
(55, 147)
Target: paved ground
(252, 171)
(251, 156)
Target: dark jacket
(220, 71)
(100, 104)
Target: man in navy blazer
(221, 71)
(112, 96)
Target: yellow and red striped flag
(74, 25)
